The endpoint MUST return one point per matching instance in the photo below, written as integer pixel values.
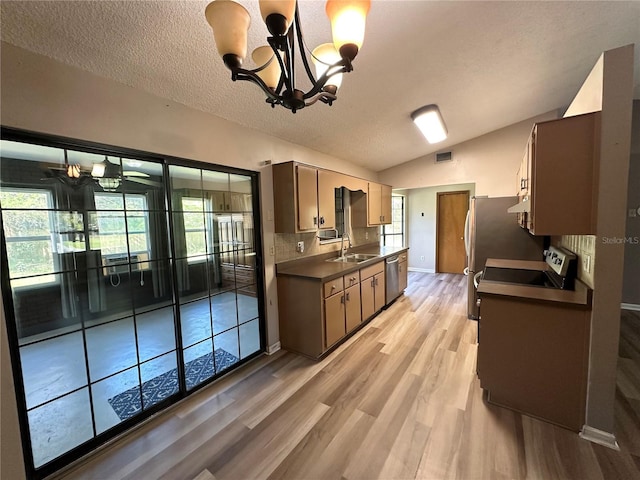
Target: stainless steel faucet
(343, 250)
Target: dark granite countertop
(581, 296)
(318, 268)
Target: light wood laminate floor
(399, 400)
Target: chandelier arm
(320, 83)
(325, 97)
(250, 75)
(291, 51)
(275, 44)
(302, 45)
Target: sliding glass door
(130, 281)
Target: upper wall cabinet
(371, 209)
(557, 177)
(304, 198)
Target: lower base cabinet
(373, 289)
(533, 357)
(315, 316)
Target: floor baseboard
(421, 270)
(271, 349)
(600, 437)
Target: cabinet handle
(342, 299)
(315, 220)
(333, 287)
(321, 220)
(376, 281)
(373, 282)
(347, 297)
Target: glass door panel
(108, 257)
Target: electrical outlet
(366, 235)
(272, 250)
(422, 258)
(300, 247)
(586, 263)
(632, 212)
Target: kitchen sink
(354, 258)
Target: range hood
(524, 206)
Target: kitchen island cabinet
(533, 352)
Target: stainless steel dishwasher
(392, 279)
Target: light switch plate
(300, 247)
(633, 212)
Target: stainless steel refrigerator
(491, 232)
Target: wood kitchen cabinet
(558, 175)
(403, 273)
(304, 198)
(342, 311)
(372, 287)
(379, 202)
(373, 208)
(533, 357)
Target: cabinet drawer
(333, 286)
(351, 279)
(371, 270)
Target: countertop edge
(580, 297)
(325, 271)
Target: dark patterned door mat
(127, 404)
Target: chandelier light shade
(430, 123)
(275, 73)
(270, 74)
(324, 56)
(278, 15)
(347, 24)
(230, 23)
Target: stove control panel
(560, 260)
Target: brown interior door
(451, 214)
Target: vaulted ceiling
(486, 64)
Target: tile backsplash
(286, 243)
(583, 246)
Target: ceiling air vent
(444, 157)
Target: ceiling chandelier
(276, 75)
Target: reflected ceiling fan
(106, 174)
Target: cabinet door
(327, 182)
(367, 295)
(219, 201)
(307, 193)
(353, 311)
(385, 204)
(379, 291)
(334, 319)
(374, 203)
(402, 275)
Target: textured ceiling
(486, 64)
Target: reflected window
(110, 222)
(196, 228)
(27, 231)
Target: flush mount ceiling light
(276, 73)
(430, 123)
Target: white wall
(421, 224)
(42, 95)
(490, 161)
